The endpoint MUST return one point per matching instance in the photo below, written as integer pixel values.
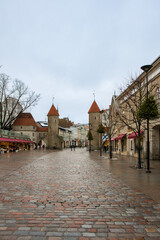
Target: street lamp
(146, 68)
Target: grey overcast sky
(68, 48)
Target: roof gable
(94, 108)
(65, 123)
(42, 129)
(25, 119)
(53, 111)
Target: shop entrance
(156, 142)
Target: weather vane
(94, 95)
(53, 100)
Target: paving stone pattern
(72, 196)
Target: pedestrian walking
(73, 145)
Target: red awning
(134, 134)
(111, 139)
(14, 140)
(120, 136)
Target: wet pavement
(12, 161)
(55, 195)
(126, 168)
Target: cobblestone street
(71, 195)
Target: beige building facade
(50, 133)
(26, 125)
(124, 140)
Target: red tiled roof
(65, 123)
(38, 125)
(94, 108)
(53, 111)
(105, 110)
(25, 119)
(42, 129)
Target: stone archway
(155, 142)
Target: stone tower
(53, 123)
(94, 121)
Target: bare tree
(112, 125)
(130, 101)
(109, 124)
(101, 130)
(15, 98)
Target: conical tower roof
(53, 111)
(94, 108)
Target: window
(21, 127)
(124, 144)
(32, 134)
(158, 93)
(136, 145)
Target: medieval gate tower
(53, 123)
(94, 121)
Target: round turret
(53, 130)
(94, 121)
